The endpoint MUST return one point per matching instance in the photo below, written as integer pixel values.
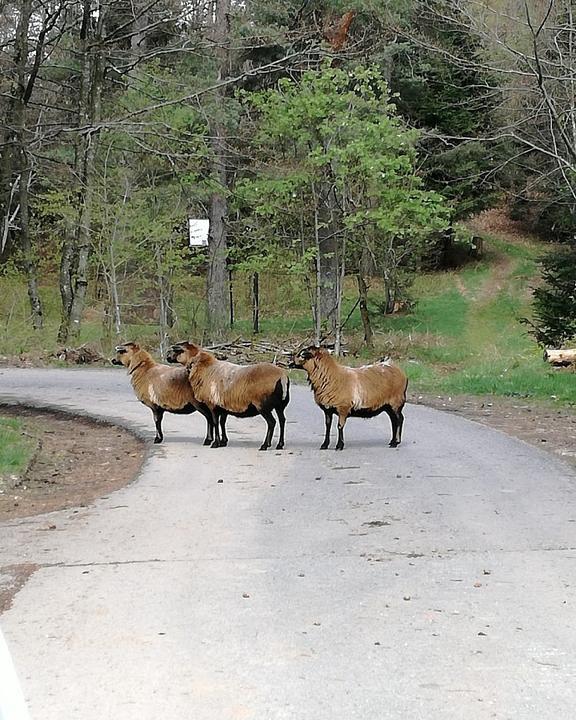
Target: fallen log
(560, 358)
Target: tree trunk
(341, 267)
(363, 295)
(165, 300)
(25, 170)
(27, 251)
(328, 260)
(328, 264)
(83, 239)
(231, 297)
(561, 357)
(76, 249)
(12, 154)
(255, 294)
(66, 282)
(217, 278)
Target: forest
(336, 148)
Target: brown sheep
(353, 392)
(239, 390)
(159, 387)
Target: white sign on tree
(198, 232)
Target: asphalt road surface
(433, 581)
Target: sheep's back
(378, 384)
(365, 387)
(236, 387)
(163, 386)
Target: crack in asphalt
(411, 555)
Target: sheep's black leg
(328, 423)
(216, 428)
(223, 436)
(396, 419)
(158, 415)
(209, 426)
(400, 416)
(267, 415)
(341, 423)
(282, 421)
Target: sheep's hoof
(339, 446)
(157, 440)
(264, 447)
(324, 446)
(393, 443)
(224, 443)
(208, 441)
(280, 446)
(215, 444)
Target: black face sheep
(159, 387)
(354, 392)
(239, 390)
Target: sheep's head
(305, 358)
(182, 352)
(202, 358)
(125, 353)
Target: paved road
(434, 581)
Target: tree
(31, 32)
(554, 317)
(529, 47)
(217, 277)
(337, 175)
(452, 103)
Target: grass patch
(16, 449)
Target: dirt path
(497, 223)
(77, 460)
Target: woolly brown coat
(159, 387)
(239, 390)
(364, 391)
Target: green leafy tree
(336, 173)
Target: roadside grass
(464, 334)
(16, 449)
(476, 343)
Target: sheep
(159, 387)
(353, 392)
(230, 389)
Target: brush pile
(83, 355)
(251, 351)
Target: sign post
(198, 232)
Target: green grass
(16, 449)
(467, 338)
